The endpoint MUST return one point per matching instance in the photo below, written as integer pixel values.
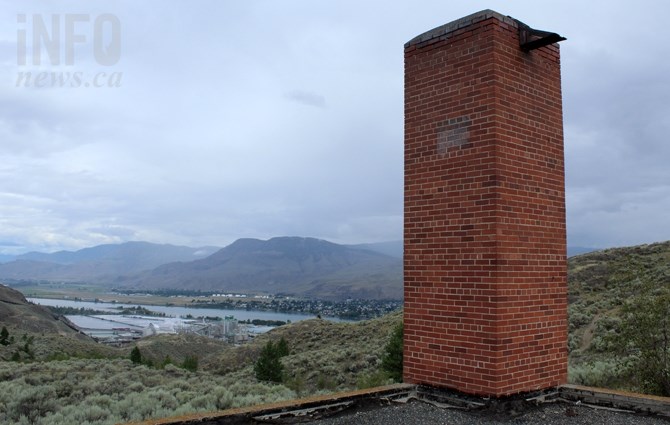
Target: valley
(606, 289)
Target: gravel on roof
(420, 413)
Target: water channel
(100, 325)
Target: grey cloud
(306, 98)
(8, 244)
(209, 139)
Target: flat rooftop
(416, 405)
(417, 412)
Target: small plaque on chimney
(452, 133)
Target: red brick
(485, 254)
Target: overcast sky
(276, 117)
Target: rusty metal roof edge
(614, 398)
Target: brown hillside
(17, 312)
(45, 334)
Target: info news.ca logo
(50, 48)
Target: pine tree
(4, 336)
(282, 348)
(166, 361)
(268, 367)
(136, 356)
(392, 359)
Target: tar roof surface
(420, 413)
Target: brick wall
(485, 251)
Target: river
(174, 311)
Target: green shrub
(325, 382)
(106, 392)
(603, 374)
(577, 317)
(574, 342)
(223, 398)
(375, 379)
(190, 363)
(642, 339)
(297, 383)
(392, 359)
(166, 361)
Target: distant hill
(395, 248)
(599, 282)
(100, 263)
(391, 248)
(27, 269)
(132, 254)
(6, 258)
(284, 265)
(35, 333)
(595, 273)
(578, 250)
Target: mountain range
(391, 248)
(297, 266)
(284, 265)
(98, 264)
(294, 266)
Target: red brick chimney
(485, 245)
